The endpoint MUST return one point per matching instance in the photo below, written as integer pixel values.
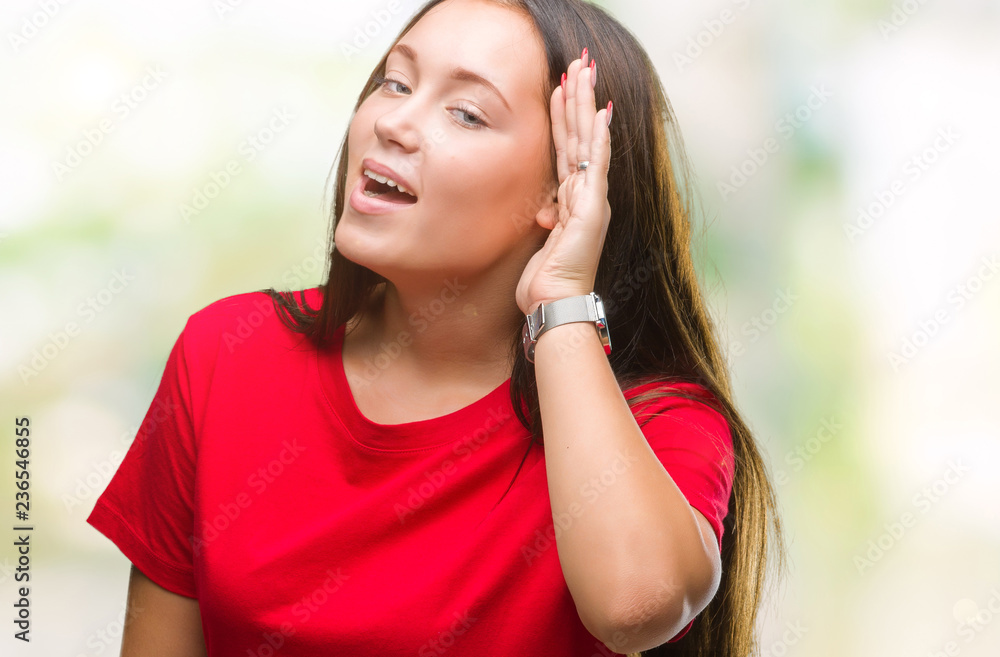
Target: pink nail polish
(611, 109)
(593, 73)
(563, 83)
(583, 55)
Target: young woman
(502, 425)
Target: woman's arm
(636, 559)
(160, 623)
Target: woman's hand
(566, 265)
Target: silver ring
(582, 166)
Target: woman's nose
(400, 125)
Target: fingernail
(563, 83)
(611, 109)
(583, 55)
(593, 73)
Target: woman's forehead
(496, 42)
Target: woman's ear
(548, 215)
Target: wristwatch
(583, 308)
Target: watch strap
(581, 308)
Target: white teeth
(388, 181)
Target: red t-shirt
(256, 485)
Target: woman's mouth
(379, 187)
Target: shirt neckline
(408, 436)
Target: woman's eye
(383, 81)
(476, 122)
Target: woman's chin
(360, 249)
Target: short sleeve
(147, 508)
(694, 444)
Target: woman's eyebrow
(457, 73)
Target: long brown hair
(662, 330)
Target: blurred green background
(845, 154)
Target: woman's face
(476, 158)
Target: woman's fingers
(584, 110)
(572, 111)
(572, 76)
(558, 111)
